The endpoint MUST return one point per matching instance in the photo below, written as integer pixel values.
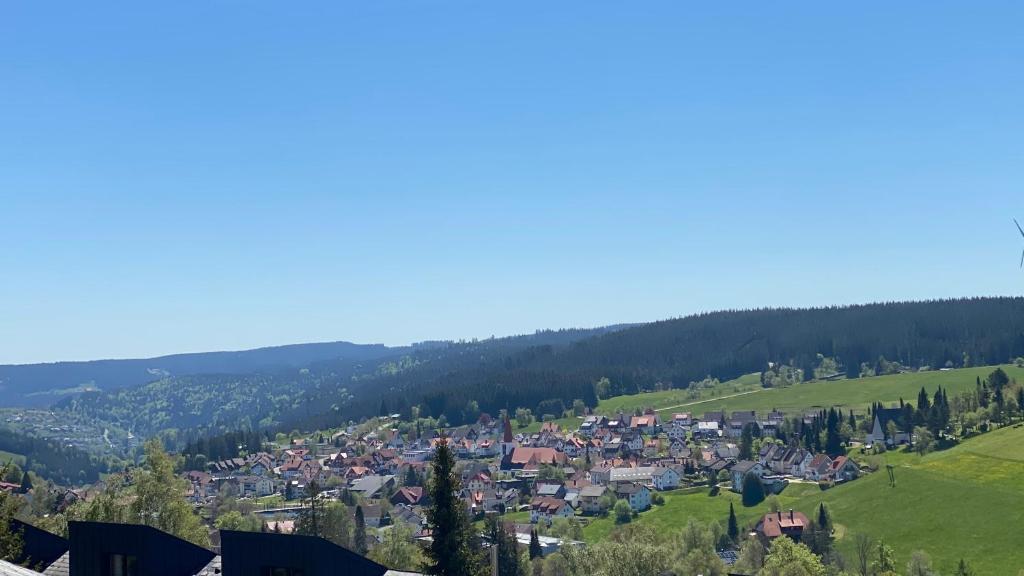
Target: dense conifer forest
(547, 371)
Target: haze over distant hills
(43, 384)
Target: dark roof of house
(244, 553)
(159, 553)
(885, 415)
(743, 466)
(39, 547)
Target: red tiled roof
(776, 524)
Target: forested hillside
(38, 385)
(62, 464)
(181, 407)
(725, 345)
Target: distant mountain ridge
(39, 385)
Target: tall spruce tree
(753, 490)
(506, 549)
(454, 550)
(359, 536)
(734, 528)
(535, 550)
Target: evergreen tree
(454, 550)
(963, 569)
(734, 528)
(26, 483)
(411, 478)
(360, 532)
(746, 441)
(535, 550)
(922, 401)
(507, 549)
(309, 518)
(753, 490)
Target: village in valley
(547, 483)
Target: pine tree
(922, 401)
(823, 520)
(454, 550)
(309, 518)
(753, 490)
(746, 441)
(535, 550)
(507, 549)
(734, 529)
(360, 532)
(411, 479)
(26, 483)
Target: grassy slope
(857, 394)
(681, 505)
(6, 457)
(967, 502)
(663, 400)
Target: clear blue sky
(221, 175)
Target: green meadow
(965, 502)
(857, 394)
(745, 393)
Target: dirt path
(708, 400)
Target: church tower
(508, 443)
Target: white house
(547, 509)
(665, 478)
(819, 469)
(638, 496)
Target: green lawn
(681, 505)
(857, 394)
(6, 457)
(663, 400)
(966, 502)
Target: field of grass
(6, 457)
(856, 394)
(681, 505)
(966, 502)
(664, 400)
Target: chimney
(779, 512)
(791, 514)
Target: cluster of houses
(551, 473)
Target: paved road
(708, 400)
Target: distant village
(549, 474)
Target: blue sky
(218, 175)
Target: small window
(122, 565)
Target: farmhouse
(775, 524)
